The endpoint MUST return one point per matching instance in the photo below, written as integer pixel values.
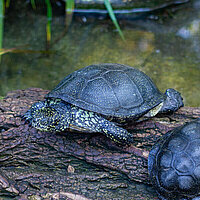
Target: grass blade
(1, 23)
(49, 19)
(7, 3)
(33, 4)
(113, 18)
(69, 9)
(16, 50)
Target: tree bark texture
(42, 165)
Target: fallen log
(44, 164)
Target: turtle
(101, 98)
(174, 163)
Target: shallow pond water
(168, 51)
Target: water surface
(169, 51)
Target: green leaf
(69, 6)
(7, 3)
(33, 4)
(69, 9)
(113, 18)
(49, 19)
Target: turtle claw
(27, 117)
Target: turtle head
(173, 101)
(49, 115)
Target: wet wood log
(41, 164)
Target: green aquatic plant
(69, 9)
(113, 18)
(7, 3)
(1, 23)
(49, 19)
(18, 50)
(33, 4)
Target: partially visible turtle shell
(174, 163)
(109, 89)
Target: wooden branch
(33, 160)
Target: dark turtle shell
(109, 89)
(174, 163)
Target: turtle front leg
(114, 132)
(87, 120)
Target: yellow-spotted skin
(56, 115)
(50, 115)
(93, 122)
